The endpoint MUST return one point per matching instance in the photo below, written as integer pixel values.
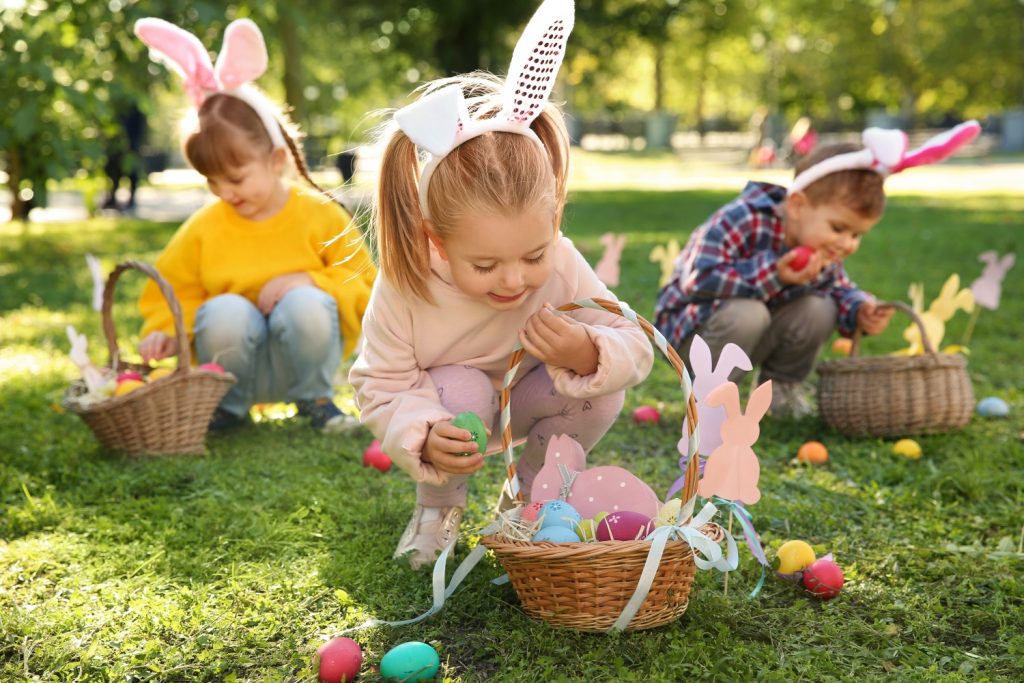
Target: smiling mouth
(506, 299)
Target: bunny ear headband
(440, 121)
(885, 152)
(243, 59)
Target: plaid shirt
(733, 254)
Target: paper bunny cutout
(666, 257)
(601, 489)
(705, 381)
(607, 269)
(93, 376)
(97, 281)
(242, 59)
(951, 298)
(885, 152)
(988, 288)
(732, 470)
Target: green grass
(235, 566)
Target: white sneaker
(790, 400)
(429, 532)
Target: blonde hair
(230, 134)
(860, 190)
(496, 171)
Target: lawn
(237, 565)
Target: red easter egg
(338, 660)
(801, 256)
(130, 375)
(823, 579)
(623, 526)
(646, 414)
(212, 367)
(531, 511)
(374, 457)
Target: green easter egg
(586, 529)
(412, 661)
(475, 426)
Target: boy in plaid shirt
(735, 280)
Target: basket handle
(898, 305)
(621, 309)
(184, 352)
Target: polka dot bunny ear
(536, 60)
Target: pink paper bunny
(607, 269)
(601, 489)
(732, 469)
(706, 380)
(988, 288)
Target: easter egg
(624, 526)
(127, 386)
(908, 448)
(813, 452)
(159, 373)
(586, 529)
(842, 346)
(412, 661)
(646, 415)
(130, 375)
(823, 579)
(558, 513)
(794, 556)
(669, 512)
(338, 660)
(556, 534)
(212, 367)
(374, 457)
(531, 512)
(801, 256)
(993, 406)
(472, 423)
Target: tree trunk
(698, 108)
(659, 75)
(292, 48)
(458, 46)
(19, 208)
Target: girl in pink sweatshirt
(472, 259)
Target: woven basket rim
(70, 398)
(892, 363)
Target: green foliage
(236, 565)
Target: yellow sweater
(216, 251)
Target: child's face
(254, 190)
(500, 259)
(832, 228)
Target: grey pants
(784, 342)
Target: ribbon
(751, 537)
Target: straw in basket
(893, 395)
(170, 415)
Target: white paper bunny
(93, 376)
(989, 287)
(706, 380)
(732, 471)
(607, 269)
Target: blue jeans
(290, 355)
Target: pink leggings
(538, 411)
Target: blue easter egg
(412, 661)
(993, 406)
(559, 513)
(557, 534)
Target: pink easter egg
(374, 457)
(338, 660)
(531, 511)
(624, 526)
(212, 367)
(802, 255)
(646, 415)
(823, 579)
(130, 375)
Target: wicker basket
(585, 586)
(169, 415)
(896, 395)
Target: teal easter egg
(412, 661)
(559, 513)
(556, 534)
(993, 406)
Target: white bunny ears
(885, 152)
(243, 59)
(440, 121)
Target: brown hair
(231, 134)
(495, 171)
(861, 190)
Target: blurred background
(684, 85)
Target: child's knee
(461, 388)
(741, 321)
(228, 321)
(308, 314)
(818, 316)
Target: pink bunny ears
(885, 152)
(243, 59)
(440, 121)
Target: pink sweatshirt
(404, 337)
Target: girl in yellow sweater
(272, 279)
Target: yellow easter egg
(159, 373)
(127, 386)
(669, 512)
(794, 556)
(908, 448)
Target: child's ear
(278, 159)
(428, 228)
(796, 202)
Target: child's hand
(277, 287)
(157, 345)
(806, 274)
(445, 443)
(872, 318)
(559, 341)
